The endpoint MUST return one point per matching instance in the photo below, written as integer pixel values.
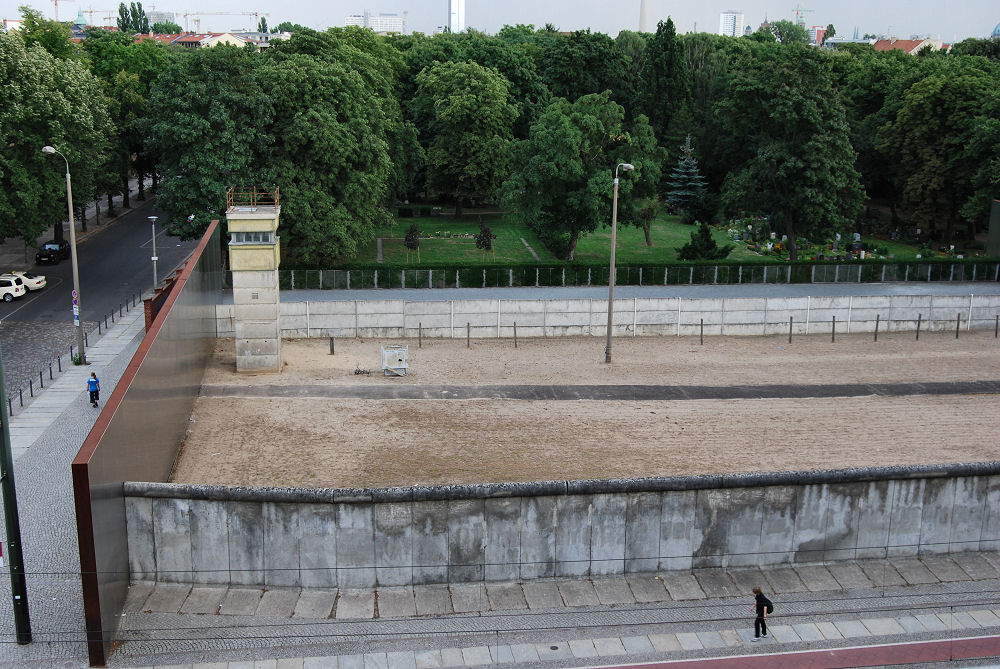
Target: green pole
(18, 584)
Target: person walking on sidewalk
(94, 386)
(762, 606)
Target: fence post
(790, 329)
(59, 363)
(420, 335)
(515, 334)
(332, 346)
(468, 330)
(996, 327)
(919, 318)
(958, 324)
(877, 319)
(833, 330)
(50, 371)
(702, 335)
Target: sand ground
(324, 442)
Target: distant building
(12, 24)
(160, 17)
(909, 46)
(259, 39)
(205, 40)
(996, 32)
(383, 24)
(731, 23)
(456, 15)
(816, 34)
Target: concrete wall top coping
(223, 493)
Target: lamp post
(152, 220)
(72, 249)
(625, 167)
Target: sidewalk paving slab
(966, 621)
(324, 662)
(278, 602)
(376, 661)
(711, 639)
(647, 588)
(315, 604)
(682, 586)
(290, 663)
(783, 633)
(931, 622)
(985, 618)
(353, 661)
(715, 583)
(911, 625)
(578, 593)
(829, 630)
(427, 659)
(689, 641)
(524, 652)
(203, 600)
(396, 602)
(976, 566)
(501, 654)
(808, 631)
(881, 573)
(477, 655)
(852, 628)
(432, 600)
(945, 569)
(469, 598)
(542, 595)
(548, 652)
(167, 597)
(665, 643)
(850, 576)
(784, 580)
(582, 648)
(240, 602)
(609, 646)
(747, 579)
(637, 644)
(817, 578)
(914, 571)
(613, 591)
(883, 626)
(452, 657)
(355, 604)
(505, 597)
(137, 595)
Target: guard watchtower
(254, 255)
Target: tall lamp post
(72, 249)
(625, 167)
(152, 220)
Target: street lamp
(152, 220)
(625, 167)
(72, 249)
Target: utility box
(394, 360)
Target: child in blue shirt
(94, 386)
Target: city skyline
(896, 18)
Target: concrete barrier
(633, 316)
(445, 534)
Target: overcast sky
(950, 21)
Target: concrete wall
(403, 536)
(639, 316)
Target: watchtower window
(252, 238)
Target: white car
(31, 281)
(11, 286)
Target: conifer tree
(686, 182)
(412, 241)
(702, 246)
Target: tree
(583, 63)
(47, 101)
(484, 238)
(54, 37)
(686, 181)
(703, 246)
(262, 25)
(665, 83)
(940, 140)
(412, 241)
(561, 184)
(288, 27)
(830, 32)
(988, 48)
(795, 162)
(790, 33)
(166, 28)
(132, 18)
(467, 110)
(209, 123)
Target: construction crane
(197, 20)
(56, 4)
(800, 14)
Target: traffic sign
(75, 294)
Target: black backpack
(769, 605)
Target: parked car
(31, 281)
(52, 251)
(11, 286)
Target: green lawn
(445, 239)
(668, 234)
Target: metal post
(332, 347)
(152, 220)
(515, 334)
(919, 318)
(701, 336)
(790, 329)
(877, 318)
(468, 330)
(18, 584)
(420, 335)
(996, 327)
(958, 324)
(833, 330)
(611, 277)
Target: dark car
(52, 251)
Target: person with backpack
(762, 606)
(94, 386)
